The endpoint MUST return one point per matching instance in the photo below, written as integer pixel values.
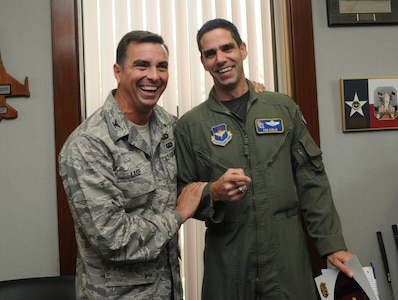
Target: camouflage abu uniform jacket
(122, 197)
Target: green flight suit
(255, 247)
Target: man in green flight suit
(262, 166)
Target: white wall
(362, 166)
(28, 211)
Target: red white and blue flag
(369, 104)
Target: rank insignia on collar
(324, 289)
(273, 125)
(221, 135)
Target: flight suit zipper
(213, 162)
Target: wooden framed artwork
(369, 103)
(360, 12)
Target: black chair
(42, 288)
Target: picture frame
(369, 103)
(359, 12)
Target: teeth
(149, 88)
(225, 70)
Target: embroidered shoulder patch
(221, 135)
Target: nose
(153, 73)
(220, 57)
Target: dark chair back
(42, 288)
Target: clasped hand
(231, 186)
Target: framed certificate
(362, 12)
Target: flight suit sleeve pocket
(308, 157)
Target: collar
(216, 105)
(118, 125)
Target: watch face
(348, 289)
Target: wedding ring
(241, 189)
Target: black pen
(385, 262)
(373, 270)
(395, 231)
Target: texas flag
(369, 104)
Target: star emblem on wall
(356, 105)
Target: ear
(243, 50)
(117, 70)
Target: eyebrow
(163, 63)
(224, 47)
(140, 62)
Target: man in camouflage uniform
(119, 172)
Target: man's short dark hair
(140, 36)
(218, 23)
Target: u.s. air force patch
(273, 125)
(221, 135)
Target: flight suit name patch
(273, 125)
(221, 135)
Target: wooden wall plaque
(10, 87)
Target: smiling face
(142, 78)
(223, 59)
